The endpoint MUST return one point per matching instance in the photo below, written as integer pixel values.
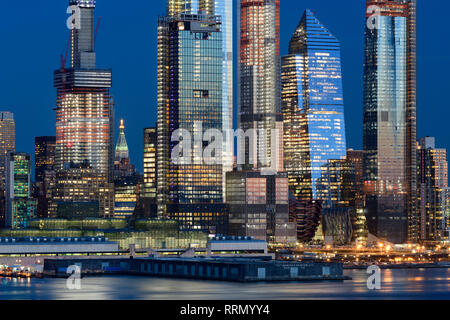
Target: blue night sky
(34, 34)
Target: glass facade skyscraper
(259, 83)
(190, 99)
(313, 109)
(389, 128)
(224, 9)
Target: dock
(216, 269)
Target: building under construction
(84, 114)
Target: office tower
(259, 84)
(189, 104)
(7, 144)
(20, 207)
(360, 233)
(313, 107)
(7, 140)
(432, 185)
(78, 192)
(259, 206)
(122, 165)
(44, 155)
(389, 128)
(356, 157)
(84, 113)
(257, 192)
(150, 169)
(224, 9)
(126, 195)
(44, 168)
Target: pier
(217, 269)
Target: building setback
(313, 109)
(389, 128)
(84, 115)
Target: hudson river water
(396, 284)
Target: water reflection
(396, 284)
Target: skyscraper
(313, 109)
(432, 187)
(389, 128)
(84, 110)
(224, 9)
(190, 100)
(122, 164)
(259, 83)
(7, 141)
(257, 193)
(44, 171)
(150, 169)
(20, 207)
(44, 156)
(7, 144)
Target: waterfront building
(259, 206)
(84, 115)
(432, 184)
(80, 191)
(313, 108)
(189, 104)
(126, 195)
(389, 128)
(337, 224)
(20, 207)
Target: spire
(121, 146)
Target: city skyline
(127, 105)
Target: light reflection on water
(396, 284)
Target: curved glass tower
(313, 108)
(389, 129)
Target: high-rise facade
(259, 84)
(389, 128)
(84, 110)
(313, 110)
(7, 140)
(257, 192)
(44, 172)
(190, 80)
(44, 156)
(20, 207)
(150, 170)
(7, 144)
(224, 9)
(432, 185)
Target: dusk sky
(34, 34)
